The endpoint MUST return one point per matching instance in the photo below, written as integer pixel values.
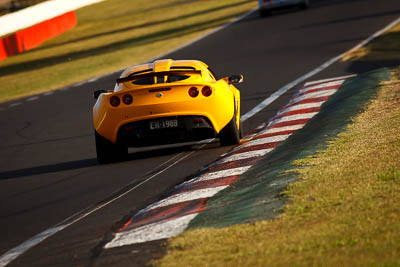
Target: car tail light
(206, 91)
(128, 128)
(127, 99)
(114, 101)
(193, 91)
(198, 120)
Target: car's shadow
(287, 10)
(144, 153)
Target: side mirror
(234, 79)
(97, 93)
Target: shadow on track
(65, 166)
(91, 162)
(316, 4)
(349, 19)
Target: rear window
(144, 81)
(160, 79)
(176, 78)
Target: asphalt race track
(48, 167)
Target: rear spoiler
(152, 74)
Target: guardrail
(9, 6)
(33, 25)
(33, 15)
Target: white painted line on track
(306, 76)
(301, 107)
(183, 197)
(262, 125)
(12, 254)
(218, 174)
(245, 155)
(293, 118)
(33, 98)
(329, 79)
(15, 104)
(329, 84)
(80, 83)
(372, 37)
(266, 140)
(314, 95)
(15, 252)
(48, 93)
(150, 232)
(282, 129)
(93, 79)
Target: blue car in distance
(265, 6)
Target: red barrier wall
(33, 36)
(3, 48)
(3, 54)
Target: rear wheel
(305, 4)
(231, 133)
(241, 130)
(107, 152)
(264, 12)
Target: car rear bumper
(217, 110)
(185, 129)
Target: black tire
(231, 133)
(107, 152)
(241, 130)
(305, 4)
(264, 12)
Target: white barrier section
(33, 15)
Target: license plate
(163, 124)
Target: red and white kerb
(171, 216)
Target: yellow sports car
(168, 101)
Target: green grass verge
(110, 36)
(344, 208)
(256, 194)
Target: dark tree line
(8, 6)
